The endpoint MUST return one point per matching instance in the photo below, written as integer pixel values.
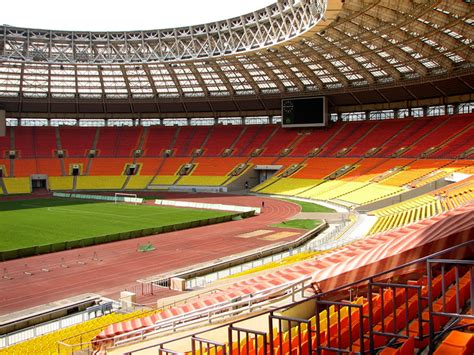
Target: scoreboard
(304, 112)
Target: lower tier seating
(164, 180)
(289, 186)
(20, 185)
(60, 183)
(100, 182)
(138, 182)
(192, 180)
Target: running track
(120, 265)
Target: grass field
(310, 207)
(35, 222)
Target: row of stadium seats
(424, 206)
(72, 337)
(448, 133)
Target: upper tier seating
(24, 142)
(378, 137)
(77, 141)
(282, 139)
(221, 138)
(253, 138)
(457, 146)
(315, 139)
(45, 141)
(451, 127)
(118, 141)
(414, 131)
(189, 139)
(347, 136)
(5, 143)
(157, 140)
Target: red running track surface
(120, 264)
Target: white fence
(207, 206)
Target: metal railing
(362, 326)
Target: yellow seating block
(70, 337)
(164, 180)
(290, 186)
(320, 190)
(56, 183)
(18, 185)
(202, 180)
(100, 182)
(371, 193)
(138, 182)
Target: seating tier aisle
(77, 141)
(5, 165)
(158, 140)
(221, 138)
(20, 185)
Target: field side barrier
(208, 206)
(99, 197)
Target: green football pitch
(29, 223)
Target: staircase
(94, 147)
(59, 147)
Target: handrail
(340, 288)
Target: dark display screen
(304, 112)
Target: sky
(121, 15)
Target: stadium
(293, 180)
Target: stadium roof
(354, 51)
